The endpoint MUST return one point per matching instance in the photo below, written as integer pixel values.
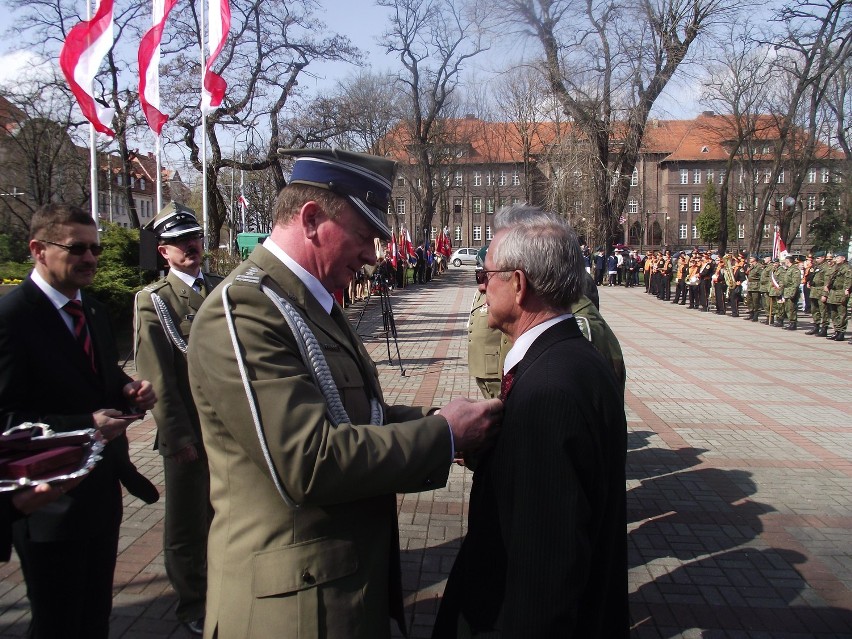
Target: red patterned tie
(81, 331)
(506, 384)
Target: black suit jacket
(545, 554)
(44, 377)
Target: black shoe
(790, 327)
(813, 331)
(823, 332)
(138, 485)
(195, 627)
(838, 337)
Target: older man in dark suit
(59, 366)
(545, 555)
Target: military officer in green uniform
(597, 331)
(819, 308)
(162, 322)
(765, 279)
(753, 275)
(486, 348)
(305, 456)
(791, 278)
(774, 291)
(836, 295)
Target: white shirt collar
(189, 280)
(522, 344)
(56, 298)
(311, 283)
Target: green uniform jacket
(818, 282)
(776, 270)
(160, 361)
(766, 278)
(790, 281)
(755, 274)
(839, 280)
(486, 347)
(597, 331)
(330, 566)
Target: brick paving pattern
(739, 474)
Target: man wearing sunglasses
(164, 314)
(59, 366)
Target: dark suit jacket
(44, 377)
(545, 554)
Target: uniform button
(307, 577)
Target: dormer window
(705, 149)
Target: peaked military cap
(819, 253)
(175, 220)
(365, 180)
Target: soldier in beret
(164, 312)
(819, 308)
(836, 295)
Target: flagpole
(203, 144)
(93, 159)
(159, 178)
(242, 197)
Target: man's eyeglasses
(482, 275)
(78, 249)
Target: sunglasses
(78, 249)
(482, 275)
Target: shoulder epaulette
(252, 276)
(155, 286)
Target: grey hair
(545, 247)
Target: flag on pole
(85, 47)
(218, 25)
(243, 202)
(392, 249)
(149, 66)
(408, 247)
(779, 248)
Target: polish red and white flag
(85, 47)
(218, 25)
(149, 66)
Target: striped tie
(506, 383)
(81, 332)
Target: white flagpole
(93, 156)
(203, 143)
(242, 199)
(159, 177)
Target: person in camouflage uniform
(790, 281)
(819, 309)
(836, 294)
(765, 279)
(753, 275)
(774, 290)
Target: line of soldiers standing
(764, 284)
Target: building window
(516, 179)
(633, 206)
(446, 178)
(488, 235)
(721, 176)
(682, 231)
(634, 178)
(142, 183)
(710, 176)
(695, 235)
(740, 203)
(781, 176)
(741, 231)
(502, 178)
(477, 233)
(812, 175)
(812, 202)
(516, 200)
(696, 176)
(766, 231)
(459, 181)
(489, 179)
(825, 176)
(458, 233)
(767, 176)
(400, 180)
(400, 206)
(684, 203)
(684, 176)
(502, 202)
(696, 203)
(477, 178)
(477, 205)
(489, 205)
(457, 205)
(837, 179)
(433, 233)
